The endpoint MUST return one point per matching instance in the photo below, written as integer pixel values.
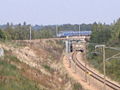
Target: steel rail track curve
(93, 74)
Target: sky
(45, 12)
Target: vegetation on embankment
(112, 65)
(34, 66)
(110, 36)
(11, 75)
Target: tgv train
(73, 33)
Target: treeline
(102, 33)
(75, 27)
(106, 34)
(22, 31)
(110, 36)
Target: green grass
(19, 84)
(15, 44)
(77, 86)
(113, 69)
(48, 68)
(7, 69)
(112, 66)
(12, 78)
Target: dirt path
(76, 76)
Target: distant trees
(101, 33)
(3, 35)
(18, 32)
(110, 36)
(115, 32)
(107, 34)
(75, 27)
(21, 32)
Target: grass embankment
(112, 65)
(11, 77)
(16, 75)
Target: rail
(93, 74)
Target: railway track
(93, 74)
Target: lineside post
(104, 70)
(56, 30)
(30, 32)
(85, 62)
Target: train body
(73, 33)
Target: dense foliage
(2, 35)
(100, 33)
(106, 34)
(22, 32)
(110, 36)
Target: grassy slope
(112, 66)
(11, 77)
(16, 75)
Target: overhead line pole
(30, 33)
(104, 66)
(79, 30)
(56, 30)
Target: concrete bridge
(67, 40)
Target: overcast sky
(59, 11)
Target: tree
(3, 36)
(100, 33)
(116, 32)
(24, 24)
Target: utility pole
(104, 70)
(104, 66)
(79, 30)
(56, 30)
(30, 32)
(85, 57)
(106, 59)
